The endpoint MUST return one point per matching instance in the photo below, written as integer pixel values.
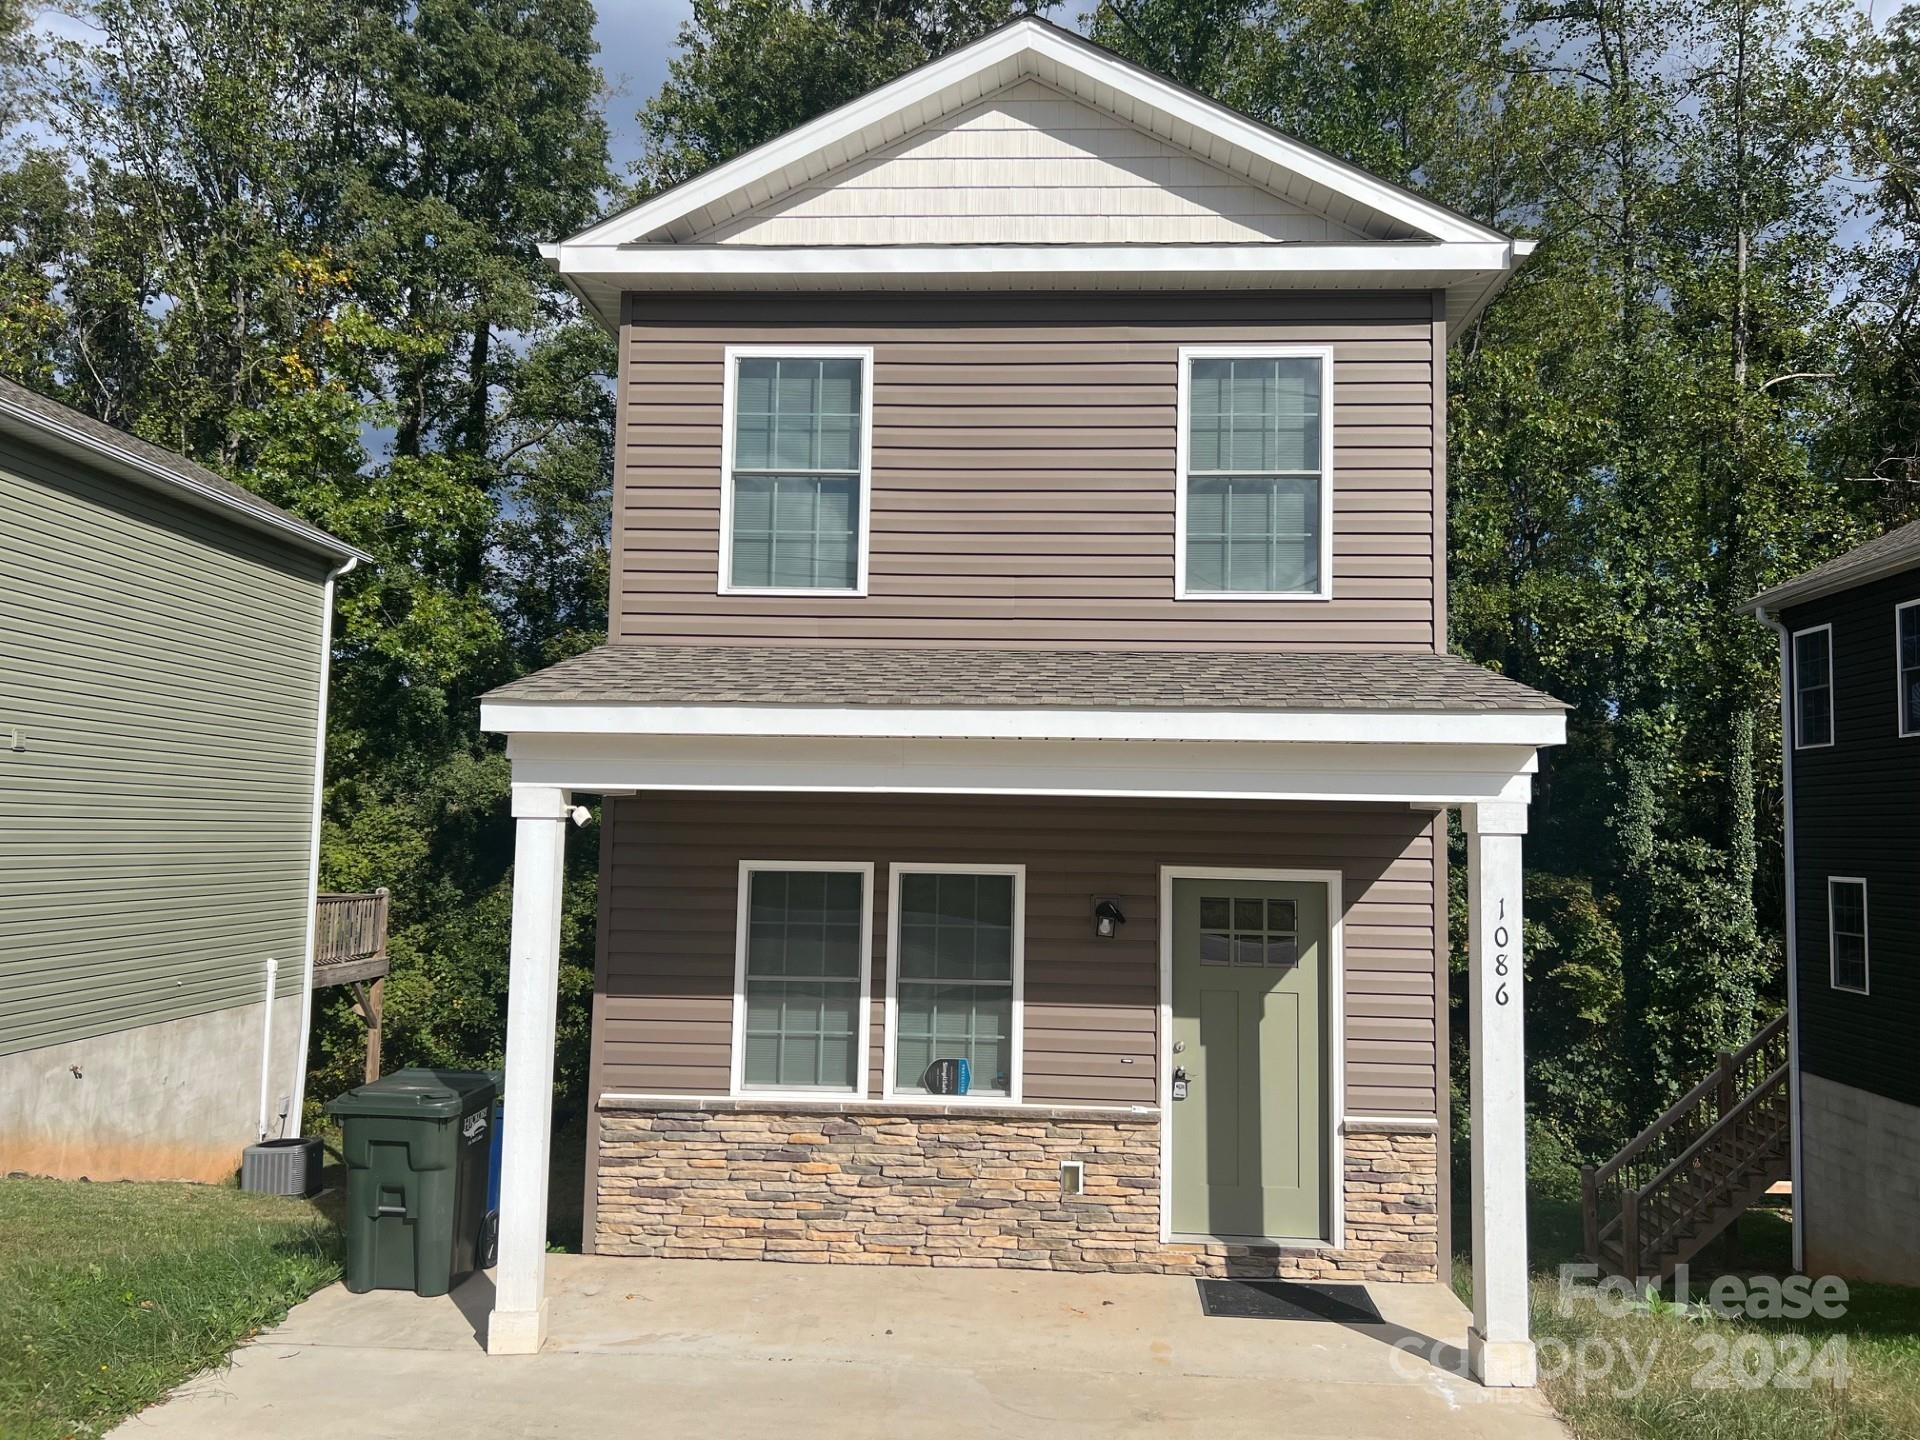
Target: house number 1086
(1501, 938)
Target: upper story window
(1813, 688)
(1255, 506)
(1847, 933)
(1906, 664)
(795, 493)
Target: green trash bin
(418, 1146)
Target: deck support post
(1499, 1349)
(518, 1324)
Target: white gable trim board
(1033, 159)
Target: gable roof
(66, 431)
(1881, 556)
(1375, 235)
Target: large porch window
(801, 983)
(954, 974)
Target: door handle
(1182, 1082)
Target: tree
(749, 70)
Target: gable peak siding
(1024, 454)
(1029, 165)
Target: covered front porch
(1117, 1122)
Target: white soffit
(1379, 235)
(1414, 728)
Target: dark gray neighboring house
(1850, 672)
(164, 643)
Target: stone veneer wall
(862, 1183)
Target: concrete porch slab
(740, 1349)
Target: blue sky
(636, 41)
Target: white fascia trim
(1531, 728)
(1022, 43)
(1183, 479)
(729, 401)
(1446, 262)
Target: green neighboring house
(164, 643)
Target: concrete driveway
(737, 1350)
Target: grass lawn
(111, 1294)
(1651, 1375)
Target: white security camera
(581, 815)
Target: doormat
(1287, 1300)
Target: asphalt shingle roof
(1883, 555)
(34, 412)
(1027, 679)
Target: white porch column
(518, 1325)
(1498, 1347)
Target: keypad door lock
(1181, 1083)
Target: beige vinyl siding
(162, 668)
(1028, 166)
(663, 999)
(1023, 471)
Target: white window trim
(1900, 726)
(737, 1087)
(1793, 656)
(1190, 353)
(890, 1064)
(729, 396)
(1866, 941)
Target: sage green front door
(1250, 964)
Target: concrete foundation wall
(861, 1183)
(174, 1101)
(1860, 1183)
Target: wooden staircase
(1694, 1171)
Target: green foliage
(748, 70)
(298, 241)
(111, 1295)
(1643, 432)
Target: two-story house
(1026, 722)
(1850, 715)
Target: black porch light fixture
(1107, 919)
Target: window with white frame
(1847, 933)
(803, 948)
(1813, 688)
(1906, 637)
(797, 459)
(1256, 490)
(955, 974)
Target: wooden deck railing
(350, 948)
(1687, 1175)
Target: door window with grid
(957, 957)
(802, 980)
(798, 463)
(1255, 481)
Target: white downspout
(266, 1045)
(1793, 934)
(293, 1125)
